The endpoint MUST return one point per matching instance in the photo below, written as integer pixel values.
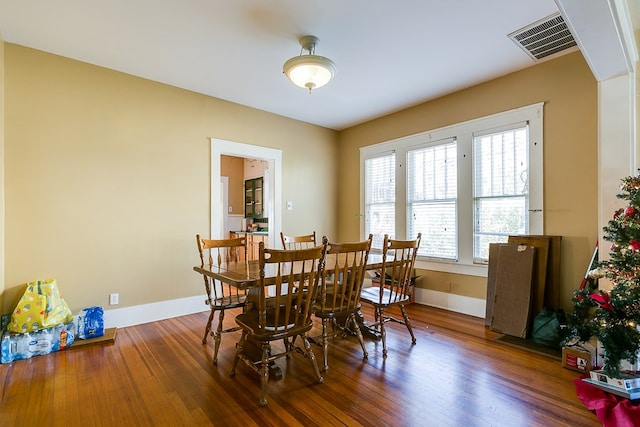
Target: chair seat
(249, 321)
(336, 311)
(372, 296)
(230, 301)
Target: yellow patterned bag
(40, 307)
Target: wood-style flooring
(160, 374)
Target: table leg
(366, 330)
(254, 352)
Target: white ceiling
(389, 55)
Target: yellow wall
(233, 167)
(108, 178)
(2, 221)
(107, 175)
(569, 91)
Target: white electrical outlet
(289, 206)
(113, 299)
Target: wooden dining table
(246, 275)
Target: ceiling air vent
(546, 38)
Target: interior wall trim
(145, 313)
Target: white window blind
(432, 198)
(380, 197)
(501, 187)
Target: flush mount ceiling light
(309, 71)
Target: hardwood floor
(159, 374)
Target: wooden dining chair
(338, 300)
(221, 296)
(298, 242)
(398, 261)
(284, 309)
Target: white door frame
(221, 147)
(224, 204)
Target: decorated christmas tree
(613, 316)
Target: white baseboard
(129, 316)
(458, 303)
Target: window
(463, 186)
(380, 193)
(500, 181)
(432, 198)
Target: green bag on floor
(546, 328)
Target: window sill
(479, 270)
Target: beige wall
(2, 221)
(107, 178)
(569, 92)
(107, 175)
(233, 167)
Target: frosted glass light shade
(309, 71)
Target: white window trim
(463, 132)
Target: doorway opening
(273, 203)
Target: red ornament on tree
(635, 245)
(630, 211)
(602, 300)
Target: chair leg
(312, 357)
(383, 332)
(289, 346)
(207, 330)
(218, 337)
(239, 350)
(375, 317)
(356, 327)
(264, 373)
(408, 324)
(325, 345)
